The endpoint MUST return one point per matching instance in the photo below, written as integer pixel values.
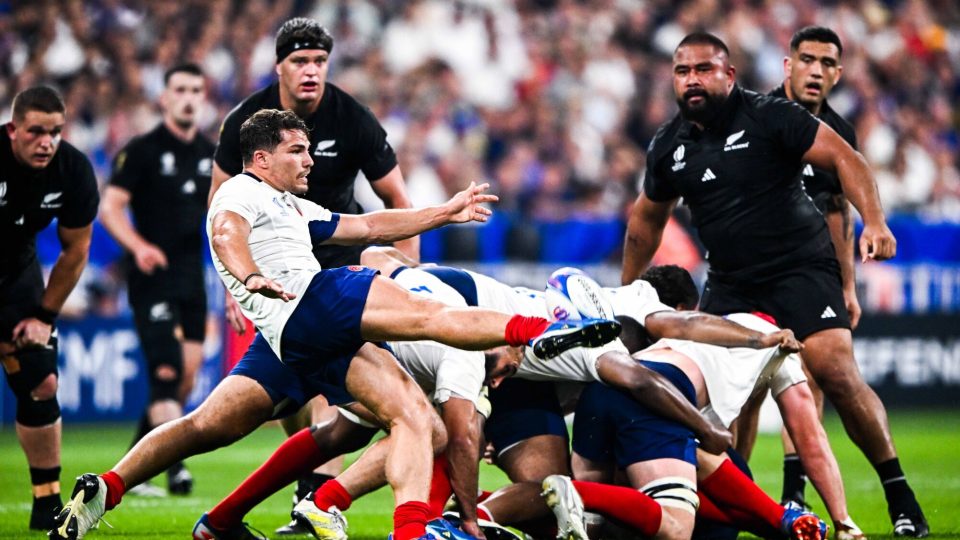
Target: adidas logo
(708, 175)
(808, 170)
(828, 313)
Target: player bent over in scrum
(316, 322)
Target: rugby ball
(573, 295)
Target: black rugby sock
(900, 498)
(794, 479)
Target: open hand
(465, 205)
(269, 288)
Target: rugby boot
(44, 512)
(913, 525)
(492, 530)
(441, 528)
(567, 506)
(83, 511)
(562, 336)
(202, 530)
(798, 524)
(326, 524)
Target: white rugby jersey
(636, 300)
(279, 242)
(492, 294)
(733, 375)
(440, 370)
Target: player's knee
(46, 390)
(37, 413)
(165, 383)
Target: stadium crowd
(552, 101)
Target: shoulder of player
(261, 99)
(344, 102)
(71, 157)
(663, 140)
(143, 143)
(838, 123)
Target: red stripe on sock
(410, 520)
(297, 456)
(116, 487)
(627, 505)
(520, 330)
(732, 490)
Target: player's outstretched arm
(392, 225)
(391, 189)
(644, 231)
(707, 328)
(832, 153)
(229, 235)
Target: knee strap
(675, 492)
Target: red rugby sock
(440, 488)
(115, 489)
(410, 520)
(332, 493)
(520, 330)
(627, 505)
(297, 456)
(731, 490)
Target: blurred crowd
(554, 102)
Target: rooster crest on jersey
(573, 295)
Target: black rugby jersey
(345, 138)
(30, 198)
(168, 180)
(821, 184)
(740, 178)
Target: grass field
(928, 443)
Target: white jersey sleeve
(579, 364)
(442, 371)
(636, 300)
(791, 370)
(492, 294)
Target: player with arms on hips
(43, 178)
(321, 325)
(735, 158)
(164, 177)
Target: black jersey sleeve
(376, 156)
(791, 126)
(655, 186)
(80, 206)
(128, 167)
(227, 155)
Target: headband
(284, 51)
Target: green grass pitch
(928, 443)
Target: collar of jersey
(262, 183)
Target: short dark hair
(190, 68)
(674, 286)
(704, 38)
(302, 30)
(38, 98)
(264, 131)
(820, 34)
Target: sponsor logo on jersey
(828, 313)
(322, 147)
(160, 312)
(205, 167)
(189, 187)
(731, 145)
(708, 175)
(808, 170)
(3, 193)
(168, 164)
(19, 221)
(52, 200)
(678, 162)
(357, 268)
